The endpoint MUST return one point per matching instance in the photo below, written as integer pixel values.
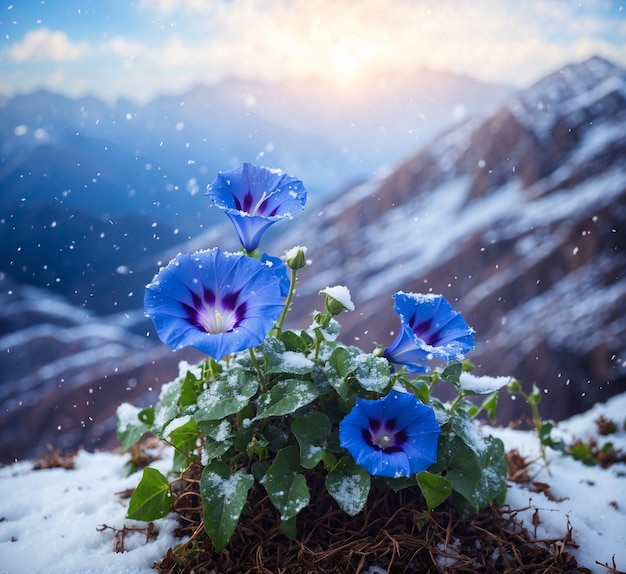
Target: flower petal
(430, 327)
(214, 301)
(254, 198)
(409, 430)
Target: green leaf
(217, 430)
(349, 484)
(276, 437)
(130, 427)
(329, 331)
(188, 395)
(285, 397)
(546, 439)
(147, 415)
(452, 372)
(434, 487)
(214, 449)
(582, 453)
(152, 498)
(372, 373)
(293, 363)
(419, 387)
(294, 342)
(490, 404)
(223, 498)
(285, 486)
(342, 361)
(466, 428)
(399, 483)
(535, 395)
(217, 438)
(271, 350)
(259, 469)
(462, 466)
(281, 360)
(288, 528)
(494, 469)
(227, 396)
(167, 406)
(311, 432)
(336, 381)
(478, 478)
(182, 432)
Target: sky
(137, 49)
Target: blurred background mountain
(511, 204)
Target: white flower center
(261, 204)
(384, 441)
(215, 322)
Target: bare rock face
(519, 220)
(63, 373)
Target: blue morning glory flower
(393, 436)
(254, 198)
(214, 301)
(430, 328)
(278, 266)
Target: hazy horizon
(135, 50)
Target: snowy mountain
(519, 219)
(125, 181)
(65, 370)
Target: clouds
(45, 45)
(194, 41)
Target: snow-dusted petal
(254, 198)
(430, 327)
(214, 301)
(278, 266)
(393, 436)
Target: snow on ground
(51, 520)
(592, 498)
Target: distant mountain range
(519, 218)
(83, 182)
(516, 215)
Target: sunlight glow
(350, 57)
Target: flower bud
(337, 300)
(514, 386)
(296, 257)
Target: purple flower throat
(259, 208)
(422, 330)
(215, 317)
(384, 436)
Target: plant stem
(257, 367)
(292, 288)
(456, 402)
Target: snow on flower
(254, 198)
(278, 266)
(341, 294)
(431, 327)
(393, 436)
(214, 301)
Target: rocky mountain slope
(64, 371)
(519, 219)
